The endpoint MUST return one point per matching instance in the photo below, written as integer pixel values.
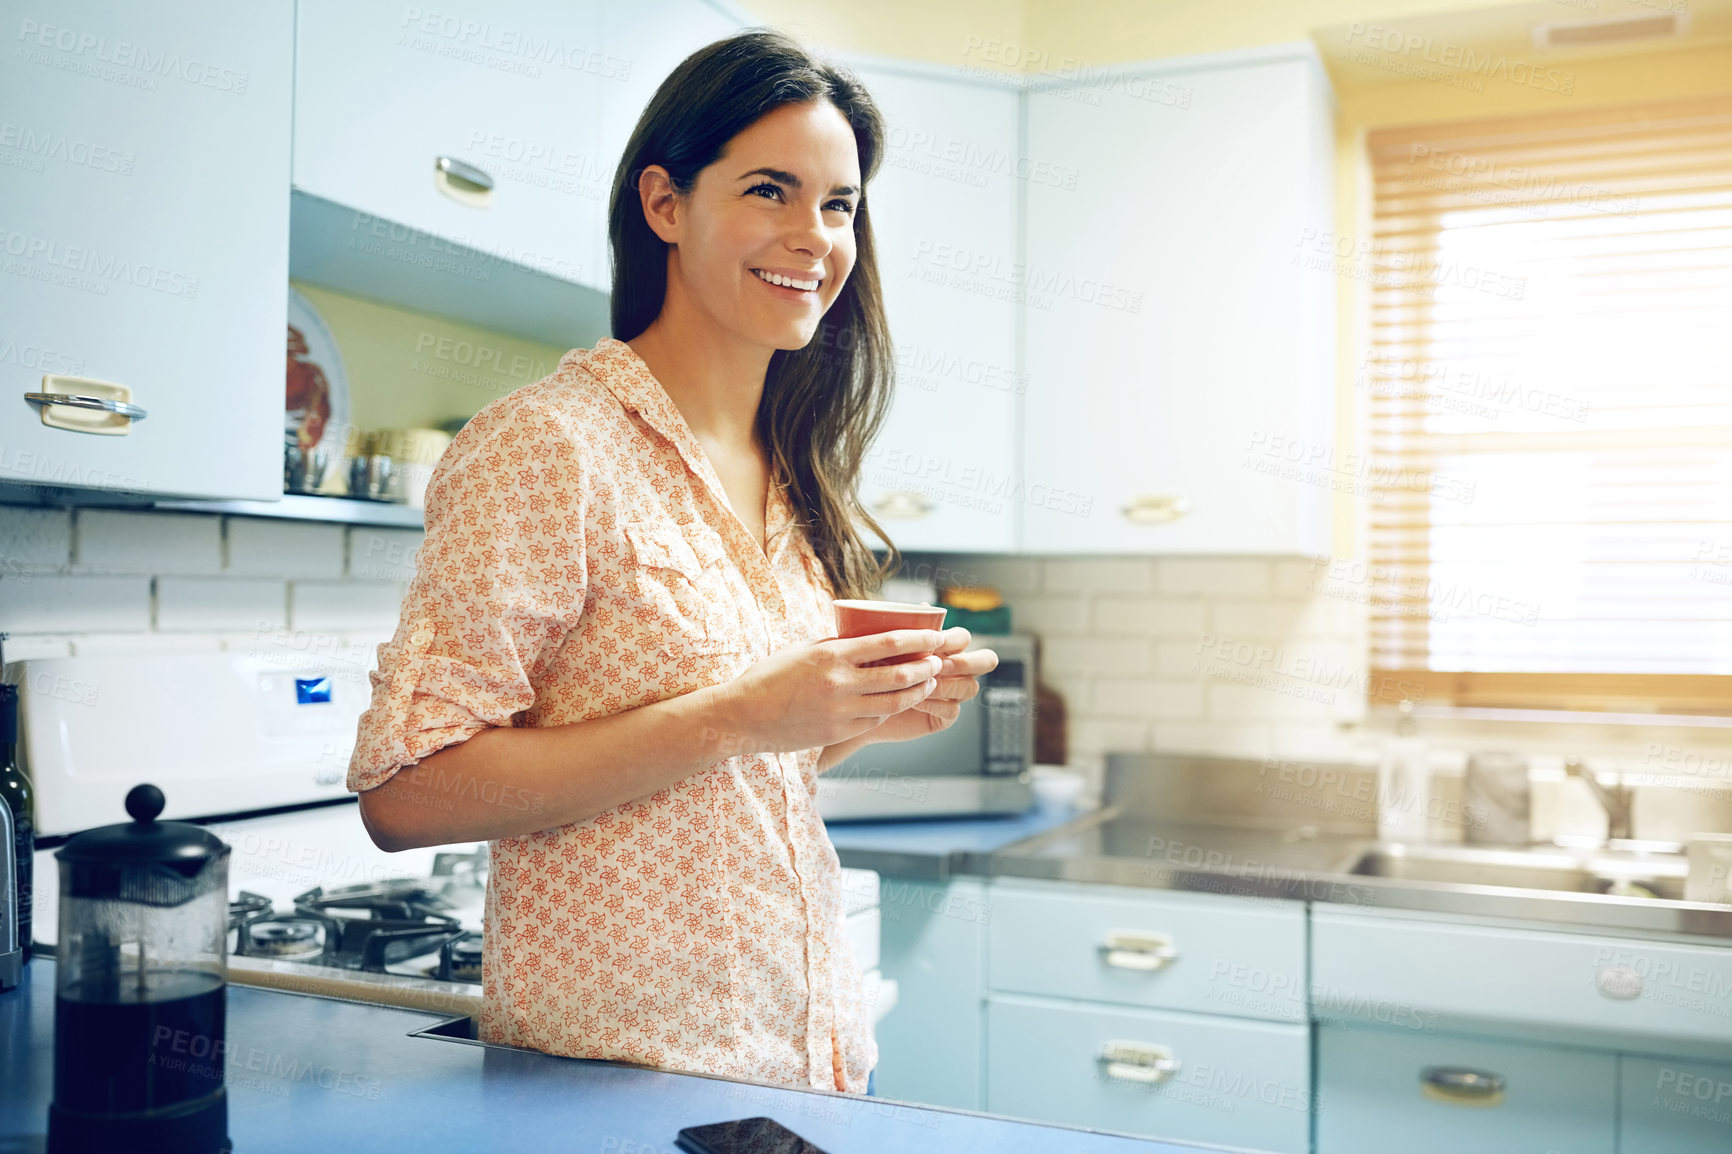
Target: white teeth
(787, 282)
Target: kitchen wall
(100, 581)
(1266, 657)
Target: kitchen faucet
(1617, 801)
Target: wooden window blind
(1549, 380)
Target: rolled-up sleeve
(500, 581)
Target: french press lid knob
(115, 861)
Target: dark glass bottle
(15, 789)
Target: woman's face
(780, 202)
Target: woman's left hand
(956, 684)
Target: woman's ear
(660, 200)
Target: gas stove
(402, 927)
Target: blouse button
(420, 637)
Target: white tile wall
(123, 541)
(263, 548)
(1253, 657)
(214, 603)
(344, 604)
(103, 581)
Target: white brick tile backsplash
(74, 604)
(1150, 617)
(1095, 656)
(1261, 618)
(261, 547)
(1148, 697)
(1236, 739)
(345, 605)
(216, 604)
(1035, 613)
(1299, 578)
(1094, 736)
(1100, 575)
(1009, 575)
(122, 541)
(1284, 699)
(383, 554)
(1213, 577)
(34, 541)
(124, 644)
(30, 646)
(1179, 658)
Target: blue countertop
(938, 847)
(304, 1072)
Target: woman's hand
(819, 693)
(956, 684)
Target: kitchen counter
(1113, 847)
(937, 848)
(302, 1069)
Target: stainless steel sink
(1627, 874)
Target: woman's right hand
(817, 693)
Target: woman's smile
(790, 285)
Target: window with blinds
(1549, 379)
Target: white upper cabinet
(1180, 352)
(942, 475)
(650, 38)
(144, 174)
(476, 122)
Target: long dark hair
(823, 404)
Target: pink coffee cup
(864, 618)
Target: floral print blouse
(582, 559)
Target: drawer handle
(1459, 1086)
(463, 183)
(903, 505)
(1155, 508)
(1140, 1062)
(1138, 950)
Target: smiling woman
(618, 661)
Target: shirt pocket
(685, 585)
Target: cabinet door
(1674, 1106)
(651, 38)
(942, 475)
(932, 943)
(1175, 348)
(144, 165)
(1379, 1091)
(1190, 1077)
(511, 87)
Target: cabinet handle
(1460, 1086)
(903, 504)
(79, 401)
(1155, 508)
(1140, 1062)
(1138, 950)
(86, 405)
(462, 182)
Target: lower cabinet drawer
(1380, 1091)
(1166, 1074)
(1674, 1106)
(1202, 953)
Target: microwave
(978, 765)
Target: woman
(617, 661)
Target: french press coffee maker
(141, 988)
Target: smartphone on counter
(745, 1136)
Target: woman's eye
(842, 206)
(756, 188)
